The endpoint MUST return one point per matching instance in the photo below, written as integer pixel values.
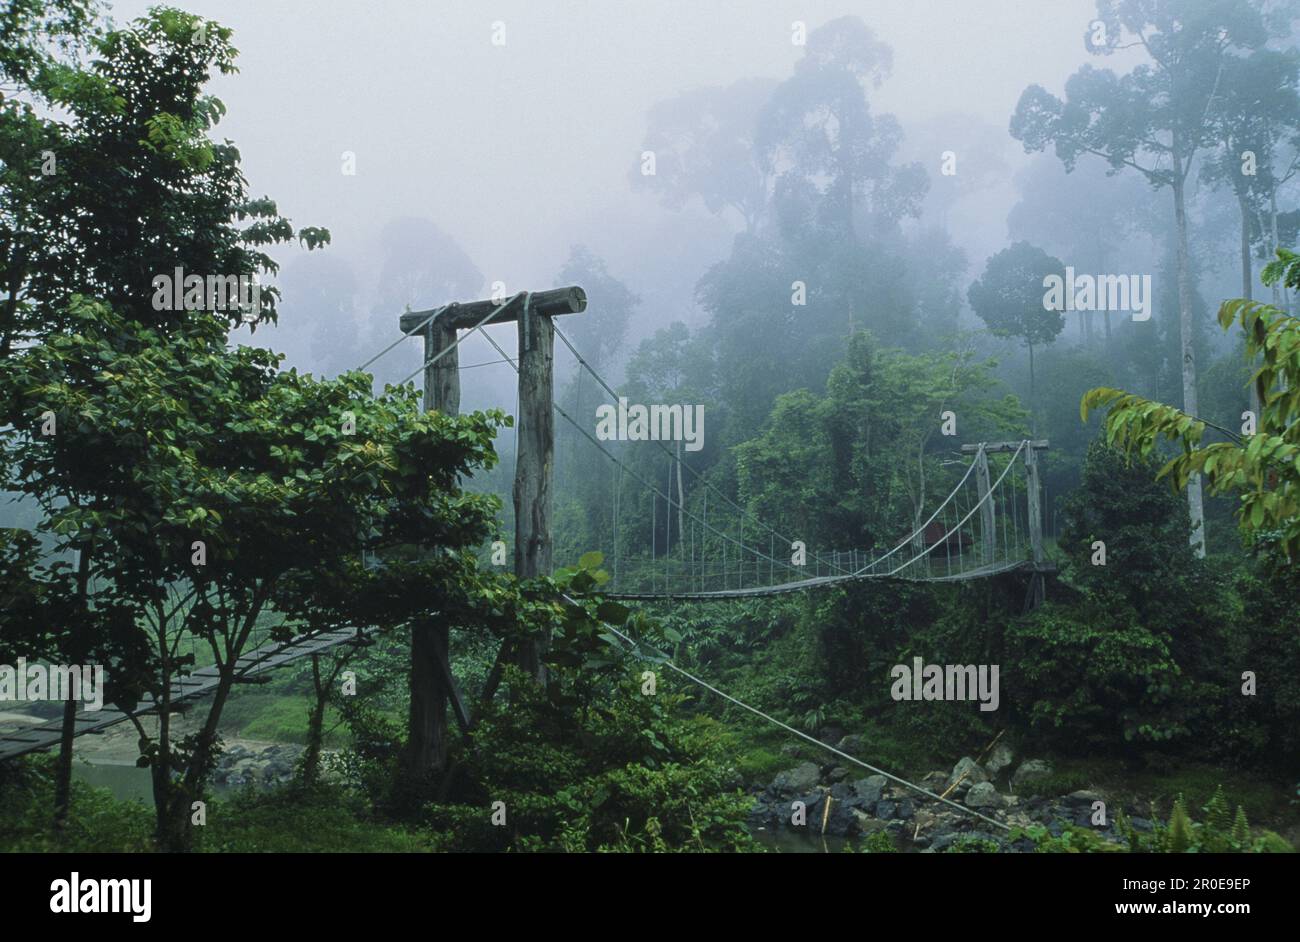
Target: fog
(519, 151)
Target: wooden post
(535, 438)
(1037, 582)
(535, 456)
(1037, 587)
(1035, 505)
(430, 680)
(989, 536)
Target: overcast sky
(519, 151)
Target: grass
(324, 820)
(275, 716)
(1265, 801)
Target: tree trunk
(315, 727)
(67, 732)
(1033, 396)
(681, 495)
(63, 768)
(1247, 279)
(426, 741)
(1277, 243)
(1195, 501)
(427, 735)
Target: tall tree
(1262, 468)
(206, 480)
(702, 145)
(125, 184)
(818, 132)
(611, 302)
(1155, 120)
(1010, 298)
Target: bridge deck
(979, 572)
(44, 735)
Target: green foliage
(879, 842)
(1008, 297)
(969, 844)
(96, 822)
(846, 467)
(1178, 838)
(618, 773)
(139, 187)
(1240, 828)
(1263, 468)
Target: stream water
(124, 780)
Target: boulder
(999, 759)
(968, 772)
(840, 821)
(983, 795)
(867, 824)
(1030, 770)
(1084, 797)
(802, 778)
(935, 781)
(870, 789)
(925, 820)
(851, 744)
(838, 774)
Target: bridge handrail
(979, 503)
(912, 536)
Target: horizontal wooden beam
(462, 316)
(991, 448)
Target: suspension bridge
(988, 523)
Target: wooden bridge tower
(432, 682)
(1033, 487)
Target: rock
(925, 820)
(1084, 797)
(870, 789)
(840, 820)
(935, 781)
(983, 795)
(867, 824)
(940, 842)
(844, 793)
(905, 809)
(1030, 770)
(839, 774)
(852, 744)
(886, 810)
(999, 759)
(802, 778)
(968, 772)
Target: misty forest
(779, 427)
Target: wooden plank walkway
(199, 683)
